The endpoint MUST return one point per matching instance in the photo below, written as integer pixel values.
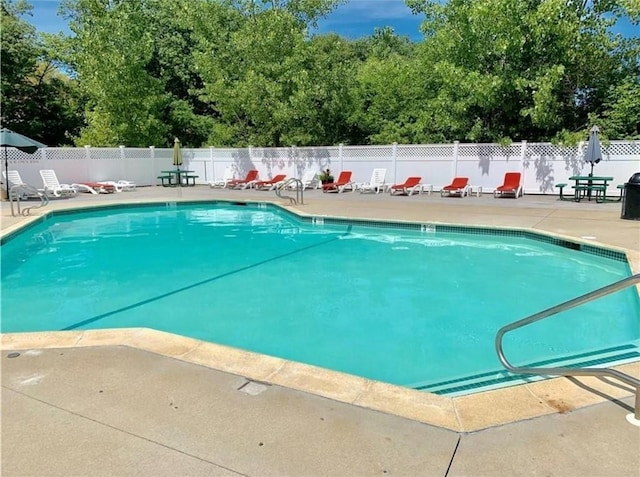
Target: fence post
(523, 156)
(152, 152)
(122, 163)
(213, 166)
(394, 156)
(340, 155)
(454, 163)
(87, 157)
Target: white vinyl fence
(542, 164)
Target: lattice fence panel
(189, 154)
(317, 154)
(137, 153)
(425, 151)
(489, 150)
(622, 148)
(551, 150)
(66, 153)
(224, 154)
(163, 153)
(102, 153)
(367, 153)
(15, 156)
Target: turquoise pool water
(408, 307)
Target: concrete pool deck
(159, 404)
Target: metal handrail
(299, 190)
(563, 371)
(18, 191)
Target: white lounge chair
(310, 180)
(121, 185)
(376, 184)
(223, 181)
(53, 187)
(14, 179)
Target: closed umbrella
(593, 154)
(177, 153)
(9, 138)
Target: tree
(112, 48)
(37, 100)
(520, 70)
(267, 81)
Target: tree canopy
(249, 72)
(37, 100)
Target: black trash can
(631, 198)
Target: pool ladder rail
(289, 184)
(563, 371)
(22, 191)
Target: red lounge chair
(511, 185)
(409, 187)
(271, 184)
(344, 181)
(94, 187)
(459, 186)
(248, 181)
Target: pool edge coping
(467, 413)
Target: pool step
(498, 378)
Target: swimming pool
(414, 305)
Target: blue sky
(355, 19)
(352, 20)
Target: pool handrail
(563, 371)
(18, 191)
(287, 184)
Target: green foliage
(247, 72)
(37, 100)
(621, 115)
(524, 70)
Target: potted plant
(326, 177)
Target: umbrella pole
(6, 171)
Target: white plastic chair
(376, 184)
(53, 187)
(224, 180)
(14, 179)
(309, 180)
